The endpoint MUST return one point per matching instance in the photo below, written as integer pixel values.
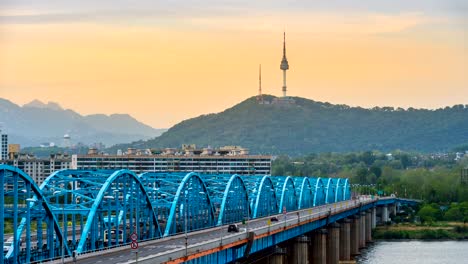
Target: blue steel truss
(90, 210)
(24, 206)
(262, 196)
(320, 191)
(330, 187)
(286, 193)
(189, 206)
(230, 198)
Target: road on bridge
(175, 245)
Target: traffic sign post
(134, 245)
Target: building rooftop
(185, 151)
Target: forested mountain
(36, 122)
(308, 126)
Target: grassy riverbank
(438, 230)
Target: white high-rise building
(3, 146)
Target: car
(233, 228)
(274, 219)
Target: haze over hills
(309, 126)
(37, 122)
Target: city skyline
(164, 65)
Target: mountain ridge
(37, 122)
(309, 126)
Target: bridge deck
(208, 241)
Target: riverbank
(435, 231)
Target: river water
(415, 252)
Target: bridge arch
(120, 207)
(330, 186)
(286, 192)
(305, 197)
(262, 195)
(192, 208)
(339, 190)
(320, 191)
(346, 189)
(18, 187)
(235, 202)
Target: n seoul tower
(284, 64)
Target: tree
(377, 171)
(367, 157)
(453, 214)
(361, 175)
(427, 213)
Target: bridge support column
(345, 238)
(362, 230)
(369, 226)
(333, 243)
(300, 250)
(319, 249)
(374, 217)
(385, 214)
(354, 235)
(278, 256)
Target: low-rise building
(227, 160)
(39, 168)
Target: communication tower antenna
(260, 95)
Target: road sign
(133, 236)
(134, 245)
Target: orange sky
(162, 72)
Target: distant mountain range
(37, 122)
(308, 126)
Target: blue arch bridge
(87, 214)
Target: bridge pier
(345, 237)
(369, 226)
(278, 256)
(393, 209)
(319, 249)
(333, 243)
(362, 230)
(384, 214)
(300, 250)
(374, 217)
(354, 235)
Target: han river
(415, 252)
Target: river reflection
(440, 252)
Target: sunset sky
(165, 61)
